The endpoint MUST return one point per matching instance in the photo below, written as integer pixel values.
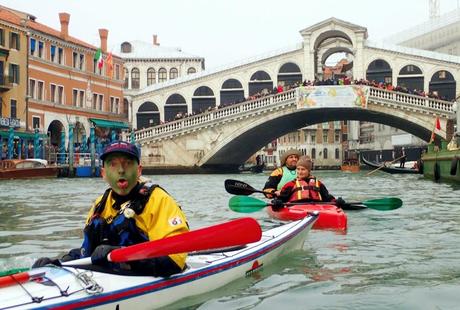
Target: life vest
(288, 176)
(304, 190)
(120, 230)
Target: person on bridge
(283, 174)
(304, 188)
(129, 212)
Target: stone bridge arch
(248, 138)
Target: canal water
(402, 259)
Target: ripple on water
(402, 259)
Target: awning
(22, 135)
(109, 124)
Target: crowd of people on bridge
(327, 82)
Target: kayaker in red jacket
(305, 187)
(129, 212)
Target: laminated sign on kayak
(74, 287)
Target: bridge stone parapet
(225, 137)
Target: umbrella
(10, 142)
(62, 147)
(83, 147)
(71, 145)
(36, 144)
(132, 137)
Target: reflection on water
(410, 255)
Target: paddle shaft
(383, 165)
(237, 232)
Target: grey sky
(223, 31)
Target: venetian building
(147, 64)
(13, 74)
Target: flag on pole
(437, 124)
(109, 62)
(98, 58)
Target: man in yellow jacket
(129, 212)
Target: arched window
(126, 85)
(173, 74)
(191, 70)
(135, 78)
(337, 154)
(148, 115)
(325, 153)
(151, 78)
(162, 75)
(126, 47)
(313, 153)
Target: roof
(16, 17)
(431, 25)
(413, 51)
(143, 50)
(212, 71)
(334, 20)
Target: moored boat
(389, 169)
(26, 169)
(350, 166)
(72, 288)
(330, 216)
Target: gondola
(392, 170)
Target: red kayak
(330, 216)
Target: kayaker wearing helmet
(129, 212)
(305, 187)
(282, 175)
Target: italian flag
(98, 58)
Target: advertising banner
(350, 96)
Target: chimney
(103, 33)
(64, 19)
(155, 40)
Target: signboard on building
(10, 122)
(350, 96)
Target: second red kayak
(330, 216)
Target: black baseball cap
(121, 147)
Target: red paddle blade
(21, 277)
(233, 233)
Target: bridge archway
(380, 71)
(411, 77)
(289, 74)
(328, 43)
(203, 98)
(249, 138)
(259, 81)
(443, 83)
(231, 92)
(148, 115)
(175, 107)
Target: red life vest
(304, 190)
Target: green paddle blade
(383, 204)
(245, 204)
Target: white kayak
(72, 288)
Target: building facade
(13, 77)
(148, 64)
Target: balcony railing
(5, 84)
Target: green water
(403, 259)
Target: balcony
(5, 84)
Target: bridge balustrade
(377, 95)
(435, 105)
(211, 116)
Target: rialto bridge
(235, 133)
(222, 139)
